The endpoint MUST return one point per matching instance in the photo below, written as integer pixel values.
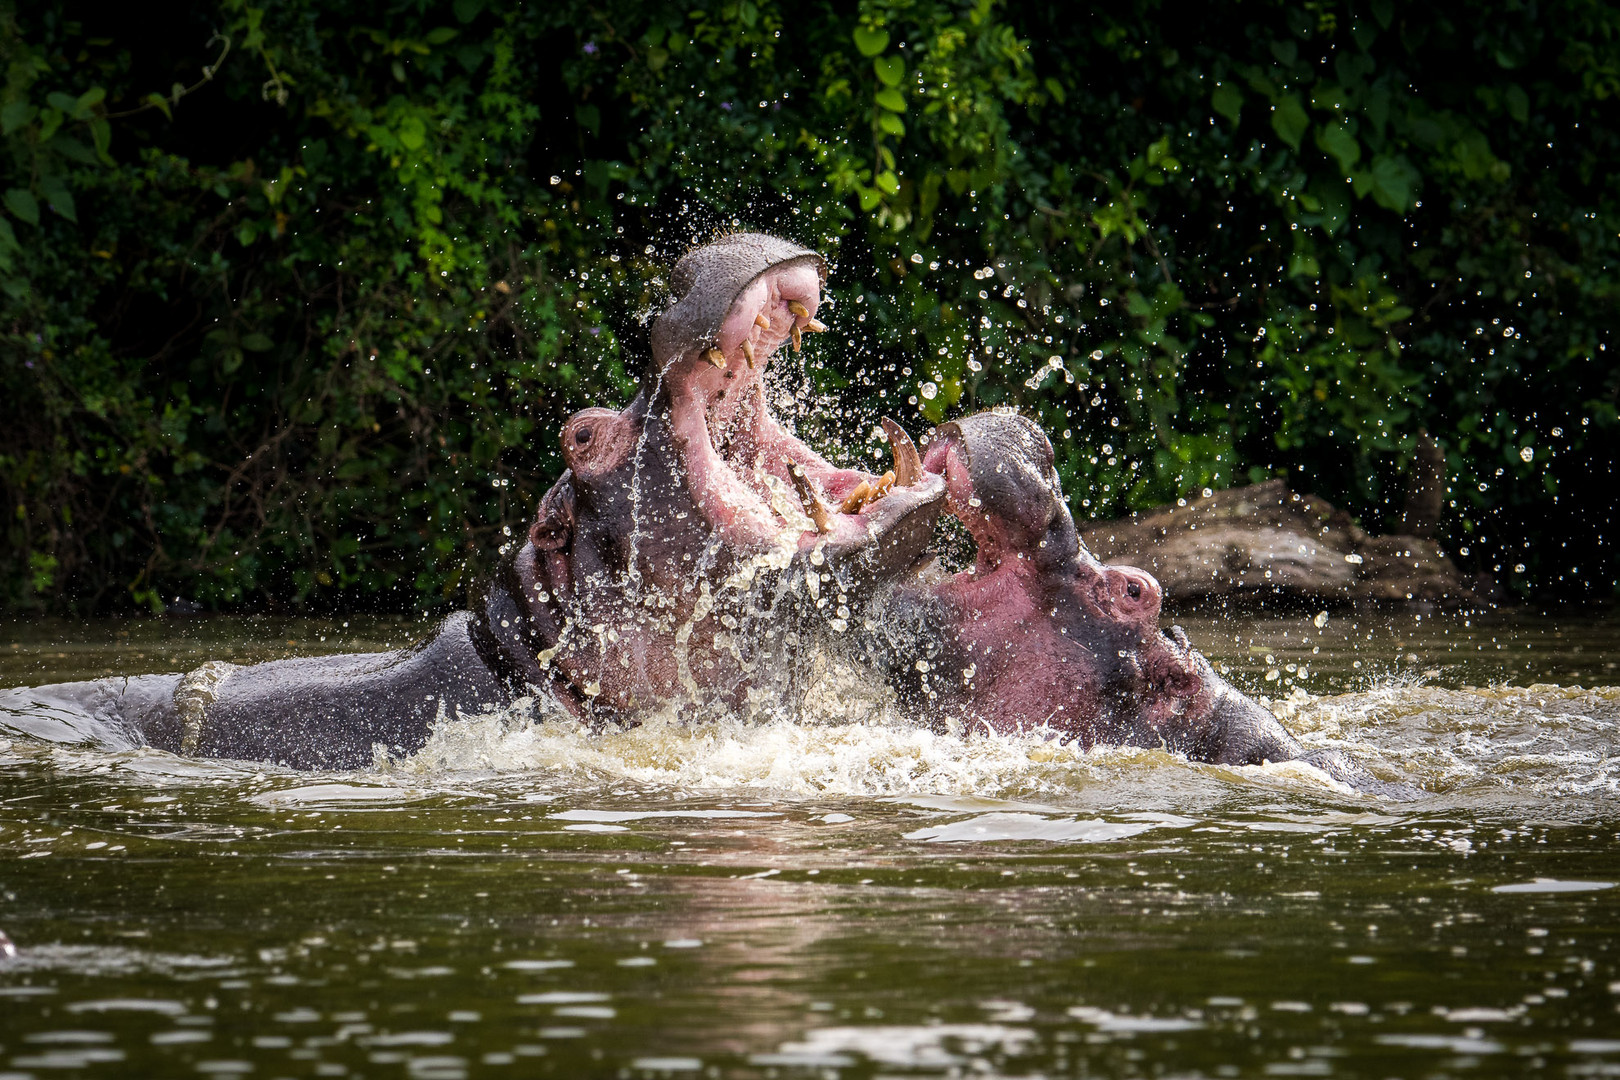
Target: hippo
(692, 548)
(1037, 635)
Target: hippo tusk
(858, 498)
(797, 342)
(813, 506)
(715, 357)
(748, 351)
(815, 326)
(798, 309)
(907, 463)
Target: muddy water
(847, 896)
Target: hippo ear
(553, 525)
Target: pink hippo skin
(1038, 635)
(694, 544)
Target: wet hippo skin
(1039, 635)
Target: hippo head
(1002, 485)
(702, 423)
(694, 511)
(1039, 634)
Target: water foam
(847, 738)
(1552, 741)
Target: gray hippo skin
(1038, 634)
(690, 550)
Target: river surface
(845, 896)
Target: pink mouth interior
(1122, 593)
(720, 417)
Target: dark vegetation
(298, 329)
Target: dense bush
(295, 297)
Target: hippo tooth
(762, 322)
(815, 326)
(858, 498)
(907, 463)
(748, 351)
(798, 309)
(715, 357)
(796, 341)
(813, 506)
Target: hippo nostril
(1134, 590)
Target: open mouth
(757, 483)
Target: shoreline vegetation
(294, 299)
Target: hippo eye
(1134, 591)
(582, 436)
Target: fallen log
(1267, 544)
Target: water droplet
(1527, 455)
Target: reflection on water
(850, 899)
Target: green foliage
(301, 330)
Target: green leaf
(887, 182)
(870, 197)
(49, 121)
(1055, 88)
(23, 205)
(246, 233)
(1304, 264)
(65, 103)
(412, 133)
(15, 115)
(891, 100)
(1335, 206)
(87, 101)
(1289, 121)
(1518, 103)
(1228, 101)
(890, 69)
(101, 134)
(8, 238)
(441, 35)
(58, 197)
(72, 149)
(257, 342)
(1336, 141)
(1158, 153)
(160, 103)
(467, 10)
(1394, 183)
(892, 124)
(870, 42)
